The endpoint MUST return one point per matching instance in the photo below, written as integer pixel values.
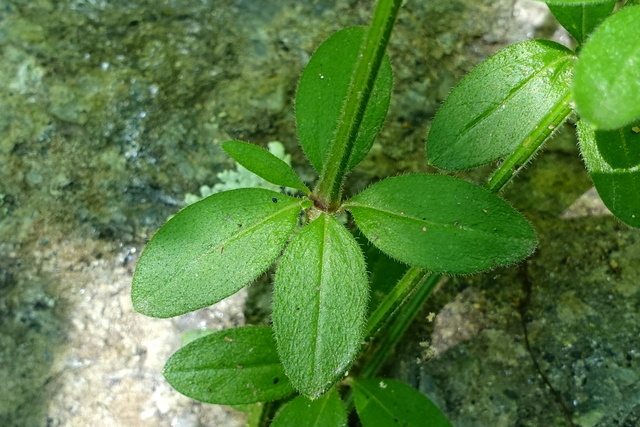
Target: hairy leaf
(323, 88)
(384, 402)
(613, 160)
(607, 76)
(211, 249)
(264, 164)
(497, 106)
(580, 19)
(229, 367)
(319, 305)
(328, 410)
(441, 223)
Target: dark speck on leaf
(274, 200)
(276, 380)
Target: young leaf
(319, 305)
(323, 87)
(580, 19)
(607, 76)
(328, 410)
(229, 367)
(499, 104)
(613, 160)
(211, 249)
(441, 223)
(384, 402)
(264, 164)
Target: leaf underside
(324, 85)
(211, 249)
(613, 160)
(231, 367)
(499, 104)
(607, 75)
(441, 223)
(319, 305)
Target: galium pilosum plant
(437, 224)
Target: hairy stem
(528, 148)
(415, 287)
(328, 192)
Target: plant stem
(328, 192)
(413, 277)
(528, 148)
(405, 317)
(415, 287)
(419, 285)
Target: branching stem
(328, 192)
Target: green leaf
(328, 411)
(384, 402)
(211, 249)
(319, 305)
(572, 2)
(581, 19)
(607, 76)
(229, 367)
(264, 164)
(441, 223)
(497, 106)
(193, 335)
(323, 88)
(613, 160)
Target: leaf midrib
(372, 397)
(512, 93)
(322, 248)
(233, 237)
(430, 223)
(235, 368)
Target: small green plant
(504, 110)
